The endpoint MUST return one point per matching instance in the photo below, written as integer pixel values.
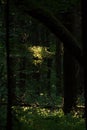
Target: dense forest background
(41, 81)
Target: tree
(70, 68)
(57, 28)
(48, 19)
(9, 76)
(84, 38)
(72, 48)
(59, 66)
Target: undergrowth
(28, 118)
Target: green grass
(43, 119)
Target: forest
(43, 74)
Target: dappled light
(45, 119)
(41, 68)
(39, 53)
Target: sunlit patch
(41, 94)
(36, 118)
(39, 53)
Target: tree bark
(59, 68)
(70, 85)
(70, 88)
(9, 76)
(84, 38)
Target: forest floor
(44, 119)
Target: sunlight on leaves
(39, 53)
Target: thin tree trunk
(58, 63)
(49, 63)
(22, 76)
(9, 76)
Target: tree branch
(55, 26)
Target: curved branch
(55, 27)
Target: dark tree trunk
(70, 90)
(22, 76)
(70, 86)
(36, 75)
(58, 64)
(84, 36)
(13, 61)
(49, 63)
(9, 76)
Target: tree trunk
(70, 90)
(58, 64)
(70, 86)
(49, 63)
(22, 76)
(84, 38)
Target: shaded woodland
(42, 66)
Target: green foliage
(3, 73)
(80, 100)
(37, 118)
(29, 57)
(2, 116)
(53, 5)
(59, 5)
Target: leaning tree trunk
(55, 26)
